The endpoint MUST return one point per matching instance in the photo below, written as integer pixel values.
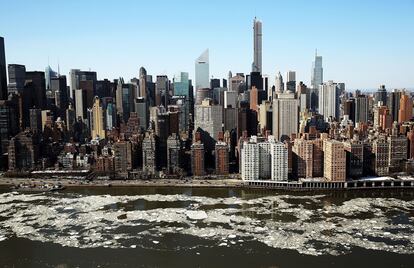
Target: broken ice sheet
(88, 221)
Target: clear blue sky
(363, 43)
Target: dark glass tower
(3, 78)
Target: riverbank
(226, 183)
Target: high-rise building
(59, 88)
(49, 74)
(361, 109)
(3, 77)
(380, 159)
(80, 104)
(76, 76)
(17, 77)
(181, 84)
(173, 154)
(257, 46)
(381, 95)
(35, 120)
(393, 104)
(208, 121)
(35, 84)
(197, 156)
(334, 161)
(317, 72)
(98, 120)
(329, 99)
(122, 156)
(149, 161)
(222, 158)
(161, 90)
(302, 150)
(264, 159)
(202, 71)
(406, 108)
(237, 83)
(265, 116)
(279, 85)
(23, 151)
(291, 81)
(143, 89)
(354, 158)
(285, 115)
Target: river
(201, 227)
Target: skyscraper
(17, 77)
(279, 86)
(257, 46)
(98, 125)
(49, 74)
(329, 99)
(291, 81)
(317, 72)
(285, 115)
(143, 83)
(3, 77)
(202, 71)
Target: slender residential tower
(257, 46)
(3, 77)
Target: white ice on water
(280, 221)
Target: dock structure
(332, 185)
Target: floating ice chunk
(223, 245)
(196, 214)
(232, 236)
(133, 246)
(156, 242)
(2, 238)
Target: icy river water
(183, 227)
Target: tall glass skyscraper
(317, 72)
(202, 71)
(257, 46)
(49, 74)
(181, 84)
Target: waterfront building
(354, 158)
(380, 157)
(173, 154)
(197, 156)
(23, 151)
(222, 157)
(122, 156)
(334, 161)
(264, 159)
(149, 146)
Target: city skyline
(110, 48)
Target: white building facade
(264, 160)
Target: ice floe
(279, 221)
